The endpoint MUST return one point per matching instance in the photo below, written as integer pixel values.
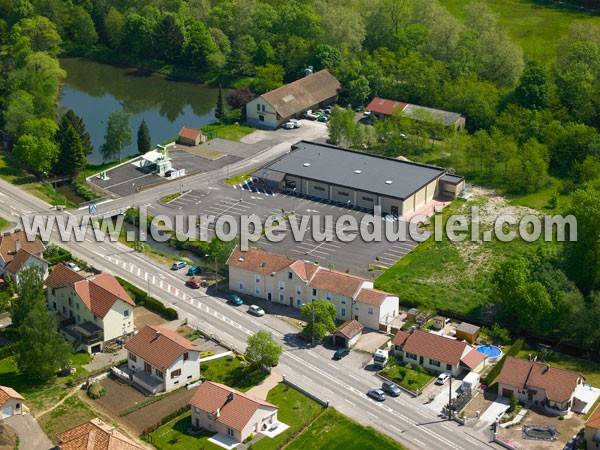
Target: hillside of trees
(530, 124)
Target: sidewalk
(262, 390)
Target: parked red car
(194, 284)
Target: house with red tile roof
(95, 435)
(93, 312)
(18, 251)
(221, 409)
(293, 283)
(437, 353)
(539, 383)
(191, 136)
(160, 360)
(11, 402)
(592, 430)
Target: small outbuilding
(348, 334)
(11, 402)
(467, 332)
(191, 136)
(412, 314)
(439, 322)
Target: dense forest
(531, 124)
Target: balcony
(85, 333)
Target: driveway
(30, 433)
(498, 407)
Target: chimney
(218, 413)
(547, 369)
(17, 245)
(308, 71)
(111, 429)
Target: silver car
(256, 310)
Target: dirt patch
(567, 429)
(119, 396)
(371, 341)
(8, 437)
(479, 403)
(143, 317)
(200, 150)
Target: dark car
(390, 388)
(376, 394)
(194, 284)
(194, 270)
(340, 353)
(235, 300)
(168, 173)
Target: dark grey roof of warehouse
(356, 170)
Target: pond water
(94, 90)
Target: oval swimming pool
(494, 353)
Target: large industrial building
(358, 179)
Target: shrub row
(8, 350)
(512, 351)
(55, 254)
(142, 299)
(166, 419)
(78, 185)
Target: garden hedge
(512, 351)
(141, 299)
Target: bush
(241, 357)
(8, 350)
(141, 299)
(95, 390)
(55, 254)
(206, 354)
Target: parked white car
(442, 378)
(74, 267)
(291, 124)
(256, 310)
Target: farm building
(382, 107)
(276, 107)
(190, 136)
(357, 179)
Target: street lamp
(312, 303)
(133, 215)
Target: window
(257, 279)
(54, 305)
(230, 432)
(70, 301)
(125, 313)
(78, 318)
(132, 357)
(160, 374)
(319, 188)
(77, 305)
(435, 363)
(64, 309)
(448, 366)
(257, 290)
(343, 194)
(95, 318)
(186, 356)
(53, 291)
(261, 118)
(281, 298)
(298, 302)
(411, 355)
(370, 310)
(314, 292)
(258, 107)
(209, 415)
(367, 199)
(176, 373)
(241, 286)
(328, 296)
(263, 108)
(197, 410)
(289, 275)
(281, 285)
(147, 368)
(343, 301)
(298, 290)
(343, 311)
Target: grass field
(295, 410)
(3, 223)
(408, 378)
(334, 431)
(537, 26)
(229, 371)
(231, 132)
(178, 435)
(67, 415)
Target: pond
(94, 90)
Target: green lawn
(409, 378)
(589, 369)
(237, 179)
(65, 416)
(537, 27)
(229, 371)
(333, 431)
(178, 435)
(170, 197)
(295, 410)
(230, 132)
(3, 223)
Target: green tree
(534, 87)
(19, 109)
(359, 90)
(42, 349)
(82, 28)
(200, 48)
(342, 26)
(341, 126)
(262, 349)
(169, 38)
(30, 293)
(326, 57)
(242, 55)
(69, 119)
(220, 109)
(42, 34)
(114, 24)
(39, 154)
(324, 314)
(117, 137)
(529, 167)
(137, 32)
(71, 159)
(144, 142)
(267, 78)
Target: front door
(269, 296)
(292, 302)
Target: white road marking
(352, 403)
(371, 414)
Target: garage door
(7, 411)
(507, 393)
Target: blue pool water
(491, 350)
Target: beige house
(11, 403)
(95, 435)
(437, 353)
(348, 334)
(191, 136)
(22, 260)
(592, 430)
(295, 283)
(276, 107)
(220, 409)
(553, 388)
(17, 245)
(92, 312)
(160, 360)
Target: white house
(160, 360)
(295, 283)
(17, 245)
(313, 91)
(22, 260)
(218, 408)
(437, 353)
(92, 312)
(11, 402)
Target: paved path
(262, 390)
(30, 433)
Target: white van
(470, 382)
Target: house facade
(218, 408)
(160, 360)
(553, 388)
(11, 402)
(92, 312)
(295, 283)
(22, 260)
(17, 245)
(276, 107)
(190, 136)
(437, 353)
(592, 430)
